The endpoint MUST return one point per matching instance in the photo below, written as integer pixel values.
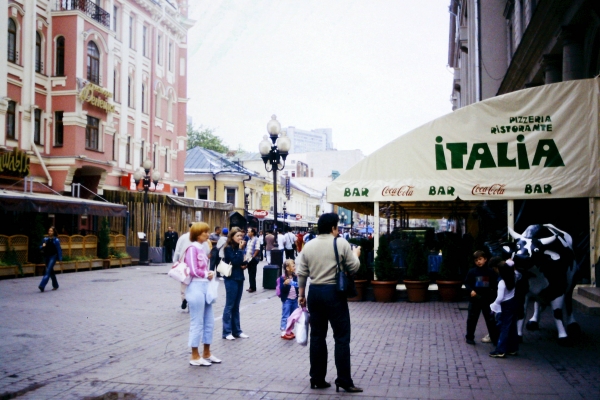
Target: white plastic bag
(213, 290)
(302, 328)
(180, 272)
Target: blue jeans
(327, 306)
(287, 308)
(202, 320)
(231, 312)
(49, 274)
(508, 340)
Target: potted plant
(417, 279)
(361, 277)
(384, 288)
(449, 281)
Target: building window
(115, 86)
(170, 57)
(202, 193)
(130, 91)
(60, 56)
(91, 133)
(142, 153)
(144, 98)
(128, 150)
(114, 18)
(114, 147)
(37, 126)
(154, 156)
(159, 49)
(230, 195)
(39, 65)
(145, 41)
(12, 41)
(131, 31)
(58, 128)
(167, 160)
(11, 127)
(93, 63)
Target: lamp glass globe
(156, 176)
(264, 147)
(147, 165)
(284, 143)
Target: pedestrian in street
(269, 245)
(289, 297)
(171, 238)
(505, 307)
(182, 244)
(299, 241)
(202, 320)
(288, 244)
(252, 251)
(261, 241)
(52, 252)
(481, 284)
(234, 284)
(325, 304)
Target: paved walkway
(121, 331)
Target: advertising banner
(535, 143)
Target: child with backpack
(289, 297)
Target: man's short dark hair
(327, 222)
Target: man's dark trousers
(476, 306)
(252, 273)
(327, 306)
(169, 254)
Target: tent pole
(510, 215)
(375, 231)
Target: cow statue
(544, 255)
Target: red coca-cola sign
(492, 190)
(298, 217)
(260, 213)
(404, 191)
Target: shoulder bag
(180, 271)
(344, 284)
(224, 268)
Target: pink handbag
(180, 271)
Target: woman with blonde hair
(202, 320)
(234, 284)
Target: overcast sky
(371, 70)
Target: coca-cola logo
(260, 213)
(492, 190)
(404, 190)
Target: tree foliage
(205, 137)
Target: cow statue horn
(548, 240)
(514, 234)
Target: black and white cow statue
(544, 255)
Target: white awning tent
(531, 144)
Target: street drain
(113, 396)
(106, 280)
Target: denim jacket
(235, 257)
(56, 244)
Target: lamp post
(273, 153)
(143, 175)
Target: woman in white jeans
(202, 320)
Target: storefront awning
(187, 202)
(56, 204)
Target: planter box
(97, 264)
(66, 266)
(114, 262)
(125, 261)
(28, 269)
(87, 264)
(40, 269)
(8, 271)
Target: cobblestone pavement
(120, 333)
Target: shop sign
(87, 95)
(402, 191)
(268, 188)
(14, 163)
(260, 213)
(287, 187)
(298, 217)
(491, 190)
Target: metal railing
(88, 7)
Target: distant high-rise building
(309, 141)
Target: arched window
(93, 63)
(60, 56)
(38, 53)
(12, 41)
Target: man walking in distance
(170, 242)
(252, 250)
(269, 242)
(288, 244)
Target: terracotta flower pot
(384, 291)
(360, 289)
(449, 290)
(416, 290)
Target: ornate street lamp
(143, 175)
(273, 154)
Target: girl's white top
(503, 295)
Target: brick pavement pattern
(120, 333)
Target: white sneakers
(486, 339)
(205, 362)
(243, 336)
(229, 337)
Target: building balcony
(86, 6)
